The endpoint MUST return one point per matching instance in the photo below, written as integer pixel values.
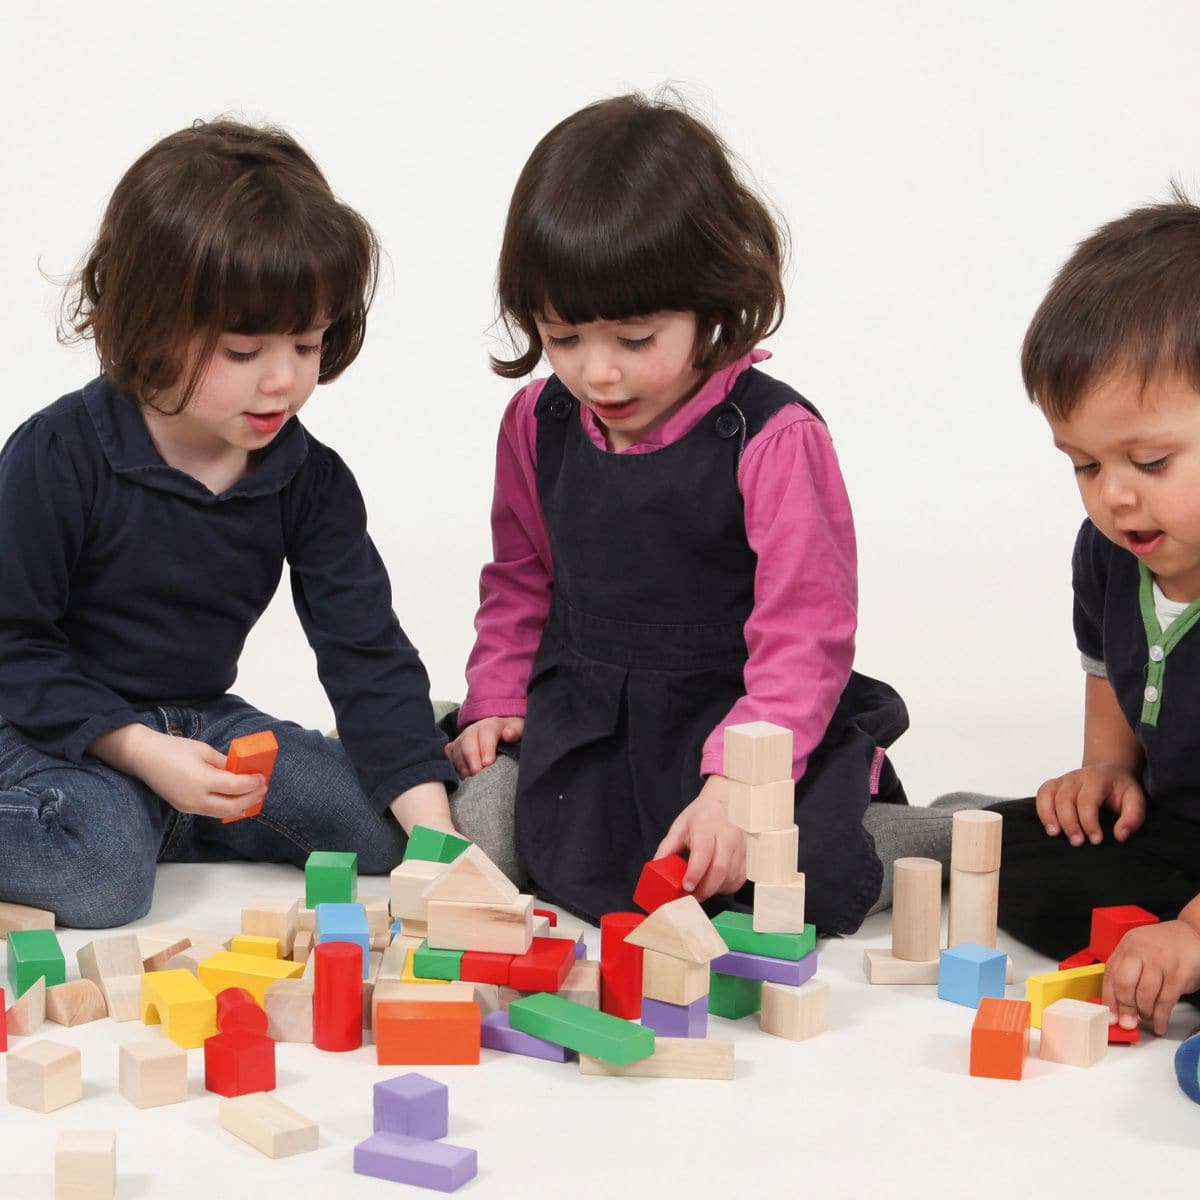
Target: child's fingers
(1168, 997)
(1147, 995)
(700, 855)
(1132, 803)
(230, 783)
(1044, 804)
(1087, 810)
(1067, 815)
(512, 731)
(489, 735)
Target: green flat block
(34, 954)
(729, 996)
(432, 845)
(737, 932)
(577, 1027)
(330, 877)
(437, 964)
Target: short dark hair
(220, 227)
(1127, 298)
(633, 206)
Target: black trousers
(1048, 887)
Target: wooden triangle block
(472, 878)
(680, 929)
(29, 1012)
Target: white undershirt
(1167, 610)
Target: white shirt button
(1151, 693)
(1156, 653)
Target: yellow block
(250, 971)
(176, 1000)
(1078, 983)
(249, 943)
(408, 976)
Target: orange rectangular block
(414, 1032)
(253, 754)
(1000, 1038)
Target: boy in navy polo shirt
(1112, 358)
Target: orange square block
(1000, 1038)
(253, 754)
(414, 1032)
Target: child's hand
(475, 747)
(425, 804)
(716, 847)
(1149, 970)
(1071, 803)
(190, 777)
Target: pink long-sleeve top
(800, 634)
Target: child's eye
(637, 343)
(1150, 467)
(309, 349)
(569, 340)
(1085, 468)
(241, 356)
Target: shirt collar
(130, 451)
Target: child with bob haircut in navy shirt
(1112, 359)
(145, 521)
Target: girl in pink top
(673, 545)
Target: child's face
(1136, 453)
(633, 374)
(253, 383)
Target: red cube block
(544, 966)
(1110, 925)
(1081, 958)
(660, 883)
(484, 966)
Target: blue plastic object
(1187, 1066)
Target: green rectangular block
(437, 964)
(34, 954)
(737, 932)
(577, 1027)
(432, 845)
(729, 996)
(330, 877)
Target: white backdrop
(935, 161)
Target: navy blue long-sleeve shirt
(126, 583)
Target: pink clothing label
(877, 768)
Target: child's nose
(599, 370)
(279, 377)
(1118, 491)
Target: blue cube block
(967, 973)
(343, 923)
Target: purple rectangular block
(580, 950)
(495, 1033)
(769, 970)
(412, 1104)
(676, 1020)
(396, 1156)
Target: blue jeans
(83, 841)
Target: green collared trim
(1159, 644)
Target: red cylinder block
(338, 996)
(237, 1009)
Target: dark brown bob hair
(221, 227)
(633, 206)
(1128, 298)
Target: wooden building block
(544, 967)
(1079, 983)
(177, 1000)
(435, 845)
(409, 973)
(251, 754)
(660, 882)
(161, 960)
(673, 1058)
(413, 1104)
(882, 966)
(22, 916)
(239, 1062)
(85, 1165)
(289, 1009)
(681, 929)
(582, 984)
(795, 1013)
(1111, 924)
(428, 963)
(1000, 1038)
(28, 1014)
(779, 907)
(975, 840)
(159, 937)
(974, 901)
(620, 966)
(226, 969)
(503, 928)
(302, 945)
(761, 807)
(771, 857)
(274, 917)
(968, 972)
(482, 966)
(418, 1161)
(793, 972)
(733, 998)
(917, 909)
(237, 1009)
(114, 965)
(75, 1003)
(249, 943)
(152, 1073)
(758, 752)
(737, 933)
(1074, 1032)
(269, 1126)
(391, 965)
(330, 877)
(44, 1076)
(418, 1032)
(337, 996)
(472, 878)
(582, 1029)
(672, 980)
(396, 989)
(34, 954)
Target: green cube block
(580, 1028)
(729, 996)
(437, 964)
(330, 877)
(737, 932)
(432, 845)
(34, 954)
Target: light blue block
(967, 973)
(344, 923)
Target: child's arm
(1152, 967)
(1108, 778)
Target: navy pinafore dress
(642, 657)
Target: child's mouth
(267, 422)
(614, 410)
(1143, 541)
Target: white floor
(881, 1105)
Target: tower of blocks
(974, 877)
(916, 926)
(770, 957)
